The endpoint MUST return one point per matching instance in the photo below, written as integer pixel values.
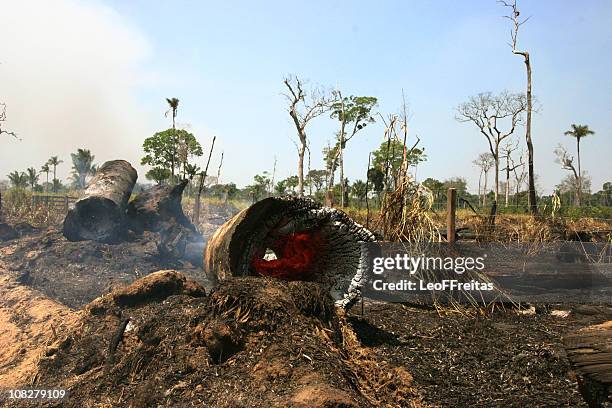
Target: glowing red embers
(295, 257)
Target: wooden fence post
(66, 204)
(451, 205)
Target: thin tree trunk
(579, 181)
(301, 152)
(484, 192)
(507, 178)
(496, 172)
(532, 193)
(479, 185)
(196, 211)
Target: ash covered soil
(260, 342)
(505, 360)
(75, 273)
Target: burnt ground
(454, 360)
(505, 360)
(75, 273)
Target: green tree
(55, 161)
(281, 187)
(316, 179)
(160, 150)
(18, 179)
(32, 177)
(158, 174)
(436, 187)
(358, 189)
(393, 153)
(578, 132)
(354, 113)
(82, 166)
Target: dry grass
(17, 207)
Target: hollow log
(293, 239)
(100, 214)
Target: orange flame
(295, 255)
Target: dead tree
(485, 161)
(302, 109)
(3, 119)
(488, 112)
(517, 23)
(567, 163)
(507, 152)
(519, 178)
(100, 214)
(196, 210)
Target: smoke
(68, 73)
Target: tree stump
(590, 352)
(100, 214)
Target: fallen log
(292, 239)
(590, 352)
(157, 208)
(100, 214)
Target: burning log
(159, 209)
(100, 214)
(293, 239)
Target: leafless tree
(303, 108)
(3, 119)
(201, 184)
(484, 161)
(507, 150)
(489, 113)
(519, 177)
(517, 22)
(567, 163)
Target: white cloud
(68, 73)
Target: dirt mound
(75, 273)
(252, 342)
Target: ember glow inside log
(292, 239)
(100, 214)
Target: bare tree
(484, 161)
(519, 178)
(303, 108)
(219, 169)
(201, 184)
(488, 112)
(567, 163)
(516, 24)
(3, 119)
(507, 150)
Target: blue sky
(225, 61)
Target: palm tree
(54, 161)
(173, 102)
(32, 177)
(579, 131)
(45, 169)
(82, 166)
(18, 179)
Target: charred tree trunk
(159, 209)
(293, 239)
(100, 214)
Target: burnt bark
(100, 214)
(159, 210)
